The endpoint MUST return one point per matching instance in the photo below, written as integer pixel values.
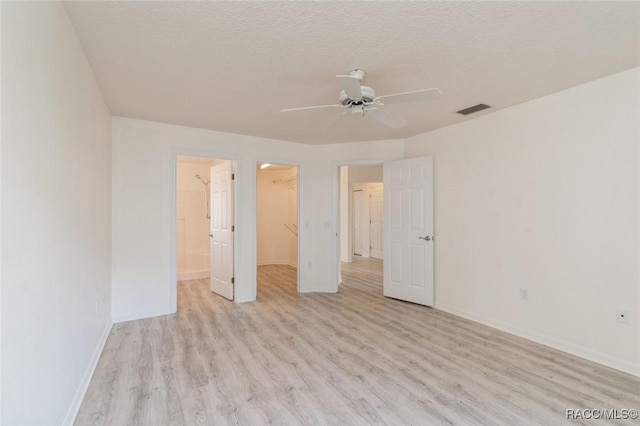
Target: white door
(221, 230)
(408, 230)
(358, 232)
(375, 220)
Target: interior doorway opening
(205, 199)
(367, 223)
(277, 229)
(361, 216)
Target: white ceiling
(231, 66)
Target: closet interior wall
(277, 216)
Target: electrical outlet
(524, 294)
(309, 264)
(622, 316)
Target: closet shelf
(292, 227)
(288, 182)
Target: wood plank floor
(352, 358)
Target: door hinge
(233, 280)
(233, 176)
(233, 228)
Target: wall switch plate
(524, 294)
(622, 316)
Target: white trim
(72, 412)
(144, 315)
(183, 276)
(319, 290)
(577, 350)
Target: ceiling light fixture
(264, 165)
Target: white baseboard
(142, 315)
(72, 412)
(319, 290)
(183, 276)
(577, 350)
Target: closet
(277, 215)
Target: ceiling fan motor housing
(368, 94)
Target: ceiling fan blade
(413, 96)
(333, 122)
(385, 118)
(311, 107)
(351, 86)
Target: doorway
(361, 212)
(361, 215)
(367, 223)
(406, 237)
(277, 230)
(205, 223)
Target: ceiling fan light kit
(362, 100)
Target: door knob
(211, 235)
(427, 238)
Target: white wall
(292, 212)
(56, 186)
(1, 225)
(276, 205)
(544, 196)
(360, 174)
(345, 215)
(143, 183)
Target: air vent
(473, 109)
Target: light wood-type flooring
(352, 358)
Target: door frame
(301, 233)
(173, 258)
(336, 209)
(354, 222)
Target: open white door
(375, 220)
(408, 230)
(221, 230)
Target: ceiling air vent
(473, 109)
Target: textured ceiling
(231, 66)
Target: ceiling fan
(362, 100)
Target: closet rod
(286, 179)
